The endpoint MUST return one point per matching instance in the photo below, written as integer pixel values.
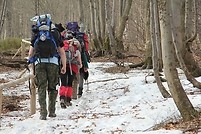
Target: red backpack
(70, 50)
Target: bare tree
(121, 26)
(97, 24)
(102, 19)
(147, 63)
(156, 42)
(9, 18)
(190, 36)
(178, 39)
(179, 96)
(36, 3)
(110, 28)
(2, 17)
(94, 34)
(81, 15)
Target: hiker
(73, 63)
(60, 27)
(62, 30)
(83, 39)
(45, 52)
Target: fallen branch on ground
(107, 80)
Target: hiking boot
(79, 96)
(62, 103)
(43, 117)
(80, 92)
(68, 104)
(52, 115)
(68, 101)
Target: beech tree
(190, 36)
(167, 35)
(122, 25)
(147, 64)
(3, 11)
(102, 20)
(93, 27)
(155, 41)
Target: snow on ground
(111, 104)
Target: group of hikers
(60, 55)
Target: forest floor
(10, 103)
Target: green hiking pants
(47, 76)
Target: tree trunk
(36, 7)
(102, 19)
(110, 29)
(96, 4)
(148, 46)
(3, 12)
(81, 15)
(122, 25)
(178, 39)
(158, 36)
(190, 62)
(9, 18)
(94, 34)
(179, 96)
(155, 43)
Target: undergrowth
(9, 44)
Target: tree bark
(122, 25)
(2, 19)
(81, 15)
(102, 19)
(178, 38)
(96, 5)
(110, 29)
(94, 34)
(155, 42)
(148, 46)
(190, 28)
(179, 96)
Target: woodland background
(16, 14)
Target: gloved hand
(34, 29)
(31, 60)
(86, 75)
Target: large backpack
(81, 37)
(70, 48)
(45, 45)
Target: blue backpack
(45, 45)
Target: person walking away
(83, 39)
(73, 58)
(44, 53)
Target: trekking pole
(27, 67)
(70, 55)
(70, 66)
(87, 85)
